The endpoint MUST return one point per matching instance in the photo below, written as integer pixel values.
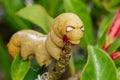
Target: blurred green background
(92, 12)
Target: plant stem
(56, 72)
(61, 64)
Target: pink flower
(113, 32)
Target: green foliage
(53, 7)
(93, 13)
(5, 60)
(99, 66)
(37, 15)
(105, 24)
(119, 73)
(19, 68)
(11, 17)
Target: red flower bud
(115, 55)
(113, 31)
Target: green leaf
(117, 63)
(105, 24)
(119, 73)
(16, 4)
(98, 3)
(53, 7)
(11, 18)
(19, 68)
(79, 63)
(99, 66)
(37, 15)
(5, 61)
(34, 70)
(113, 4)
(79, 8)
(114, 46)
(32, 75)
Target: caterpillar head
(70, 25)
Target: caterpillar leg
(42, 57)
(13, 49)
(26, 50)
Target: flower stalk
(59, 68)
(61, 64)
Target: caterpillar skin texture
(45, 48)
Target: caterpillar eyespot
(45, 48)
(69, 28)
(82, 28)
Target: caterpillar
(67, 27)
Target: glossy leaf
(99, 66)
(19, 68)
(79, 8)
(37, 15)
